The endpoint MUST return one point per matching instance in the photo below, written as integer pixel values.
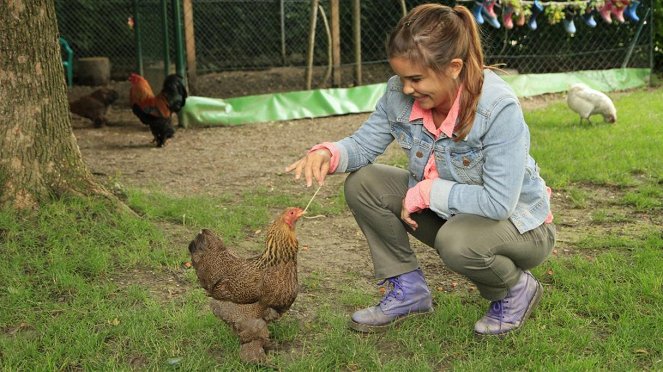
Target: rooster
(156, 111)
(248, 293)
(95, 105)
(587, 102)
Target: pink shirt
(418, 197)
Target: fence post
(166, 46)
(137, 37)
(282, 16)
(190, 44)
(356, 27)
(311, 43)
(179, 40)
(336, 42)
(176, 7)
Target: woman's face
(433, 90)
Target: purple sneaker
(408, 295)
(510, 313)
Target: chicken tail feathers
(175, 92)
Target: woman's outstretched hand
(405, 217)
(315, 164)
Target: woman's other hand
(405, 216)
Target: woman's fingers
(297, 167)
(308, 170)
(314, 165)
(324, 170)
(405, 216)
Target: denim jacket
(490, 173)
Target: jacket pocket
(467, 165)
(402, 136)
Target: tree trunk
(39, 155)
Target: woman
(471, 191)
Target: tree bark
(39, 155)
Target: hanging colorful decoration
(525, 12)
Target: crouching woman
(471, 190)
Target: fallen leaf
(174, 361)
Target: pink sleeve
(418, 197)
(549, 218)
(335, 154)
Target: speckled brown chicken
(250, 292)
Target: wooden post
(356, 28)
(190, 43)
(311, 43)
(336, 42)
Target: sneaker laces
(394, 290)
(496, 310)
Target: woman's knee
(353, 187)
(365, 185)
(455, 253)
(458, 246)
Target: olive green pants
(492, 254)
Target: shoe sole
(366, 328)
(532, 304)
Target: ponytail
(471, 75)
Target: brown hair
(435, 34)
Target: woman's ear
(455, 67)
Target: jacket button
(420, 154)
(466, 161)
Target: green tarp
(203, 111)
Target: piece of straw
(312, 197)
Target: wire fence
(230, 35)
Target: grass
(72, 298)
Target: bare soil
(222, 160)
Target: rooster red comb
(134, 77)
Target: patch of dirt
(227, 160)
(230, 160)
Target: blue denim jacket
(490, 173)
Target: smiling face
(432, 89)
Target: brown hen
(250, 292)
(95, 105)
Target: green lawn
(76, 292)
